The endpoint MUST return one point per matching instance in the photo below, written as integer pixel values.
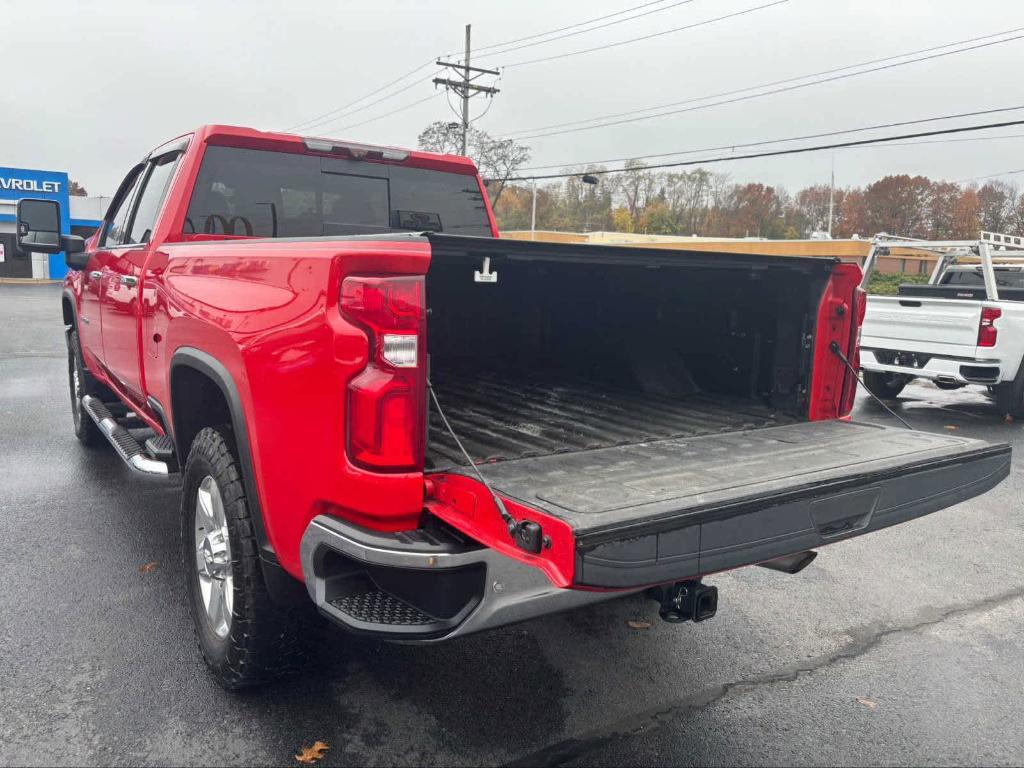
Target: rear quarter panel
(269, 312)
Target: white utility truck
(964, 326)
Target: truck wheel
(1010, 396)
(244, 637)
(81, 383)
(885, 385)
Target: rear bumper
(961, 370)
(417, 587)
(721, 538)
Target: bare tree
(496, 159)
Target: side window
(152, 197)
(115, 231)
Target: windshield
(277, 194)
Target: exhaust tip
(790, 564)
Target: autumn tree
(76, 190)
(941, 208)
(898, 205)
(965, 221)
(997, 201)
(700, 202)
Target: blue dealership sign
(17, 183)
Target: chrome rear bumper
(422, 586)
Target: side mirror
(74, 251)
(39, 226)
(39, 230)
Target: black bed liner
(668, 509)
(500, 417)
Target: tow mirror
(39, 231)
(39, 226)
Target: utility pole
(533, 213)
(831, 195)
(466, 87)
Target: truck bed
(502, 417)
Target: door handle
(95, 275)
(130, 281)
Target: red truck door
(121, 300)
(95, 281)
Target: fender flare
(209, 366)
(70, 296)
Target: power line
(535, 131)
(777, 152)
(766, 93)
(337, 110)
(990, 176)
(804, 137)
(590, 29)
(954, 141)
(324, 123)
(646, 37)
(388, 114)
(562, 29)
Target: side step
(127, 447)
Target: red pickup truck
(376, 403)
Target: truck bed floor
(499, 418)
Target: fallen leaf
(951, 428)
(148, 567)
(867, 703)
(639, 624)
(312, 754)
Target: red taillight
(840, 313)
(860, 305)
(386, 401)
(987, 331)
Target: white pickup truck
(965, 326)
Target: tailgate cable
(526, 534)
(834, 347)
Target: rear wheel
(885, 385)
(1010, 396)
(245, 638)
(80, 384)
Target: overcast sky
(91, 87)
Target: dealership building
(79, 216)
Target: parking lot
(905, 646)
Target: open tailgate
(671, 509)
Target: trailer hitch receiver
(686, 601)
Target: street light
(589, 178)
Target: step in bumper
(745, 533)
(418, 587)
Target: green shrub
(888, 285)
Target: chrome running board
(127, 447)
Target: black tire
(1010, 396)
(81, 383)
(885, 385)
(262, 639)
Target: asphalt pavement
(901, 647)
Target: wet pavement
(904, 646)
